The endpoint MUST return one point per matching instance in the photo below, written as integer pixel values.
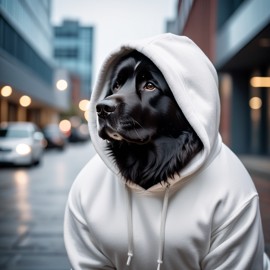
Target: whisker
(136, 122)
(138, 134)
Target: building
(73, 50)
(243, 53)
(26, 64)
(236, 37)
(197, 20)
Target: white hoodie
(207, 218)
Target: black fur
(147, 133)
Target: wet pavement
(32, 203)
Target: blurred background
(50, 54)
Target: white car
(21, 143)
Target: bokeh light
(260, 81)
(25, 101)
(86, 115)
(255, 103)
(23, 149)
(84, 105)
(65, 125)
(6, 91)
(62, 85)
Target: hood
(13, 142)
(193, 81)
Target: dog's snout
(105, 108)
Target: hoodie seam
(234, 215)
(75, 216)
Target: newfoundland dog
(147, 133)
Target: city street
(32, 203)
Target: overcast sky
(115, 21)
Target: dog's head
(139, 106)
(148, 135)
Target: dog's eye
(116, 86)
(149, 86)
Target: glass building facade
(235, 35)
(242, 55)
(32, 20)
(26, 62)
(73, 50)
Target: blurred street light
(86, 115)
(65, 126)
(84, 105)
(25, 101)
(62, 85)
(6, 91)
(255, 103)
(260, 81)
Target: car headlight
(23, 149)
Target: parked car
(79, 134)
(55, 137)
(21, 143)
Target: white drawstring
(162, 227)
(130, 226)
(159, 264)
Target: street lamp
(65, 125)
(6, 91)
(260, 81)
(255, 103)
(84, 105)
(25, 101)
(61, 85)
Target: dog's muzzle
(105, 108)
(113, 125)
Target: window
(14, 44)
(66, 53)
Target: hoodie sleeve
(83, 251)
(238, 243)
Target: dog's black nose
(105, 108)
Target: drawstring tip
(159, 264)
(130, 255)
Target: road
(32, 203)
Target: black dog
(147, 134)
